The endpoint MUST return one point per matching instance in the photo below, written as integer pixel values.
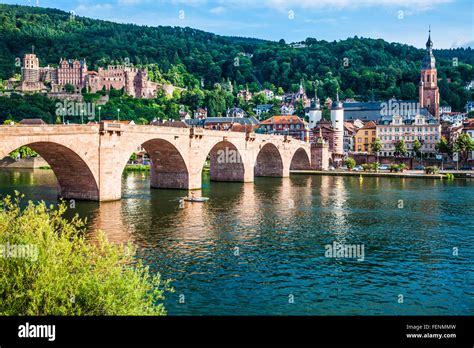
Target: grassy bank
(137, 168)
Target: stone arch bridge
(88, 160)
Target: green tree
(69, 272)
(401, 148)
(417, 145)
(464, 144)
(22, 152)
(350, 163)
(69, 88)
(443, 146)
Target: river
(262, 248)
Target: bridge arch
(74, 176)
(269, 162)
(226, 162)
(168, 168)
(300, 160)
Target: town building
(444, 109)
(450, 131)
(235, 112)
(454, 118)
(365, 137)
(469, 85)
(200, 114)
(262, 109)
(269, 95)
(221, 123)
(350, 130)
(468, 128)
(184, 115)
(469, 106)
(375, 110)
(245, 94)
(286, 125)
(287, 109)
(300, 96)
(391, 130)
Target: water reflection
(251, 245)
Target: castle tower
(30, 71)
(337, 120)
(428, 87)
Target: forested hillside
(362, 68)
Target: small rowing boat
(196, 199)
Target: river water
(262, 248)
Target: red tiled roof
(115, 121)
(369, 125)
(290, 119)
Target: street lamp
(100, 107)
(64, 114)
(82, 116)
(118, 114)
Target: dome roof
(337, 105)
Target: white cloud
(130, 2)
(217, 10)
(335, 5)
(92, 10)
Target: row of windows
(359, 140)
(280, 126)
(425, 146)
(408, 129)
(419, 137)
(367, 133)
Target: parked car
(419, 167)
(343, 168)
(383, 167)
(331, 168)
(358, 169)
(465, 167)
(449, 168)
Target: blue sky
(405, 21)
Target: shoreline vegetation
(51, 266)
(448, 176)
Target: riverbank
(406, 174)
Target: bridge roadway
(88, 160)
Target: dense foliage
(64, 273)
(366, 69)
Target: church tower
(428, 88)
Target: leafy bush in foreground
(72, 274)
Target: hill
(361, 67)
